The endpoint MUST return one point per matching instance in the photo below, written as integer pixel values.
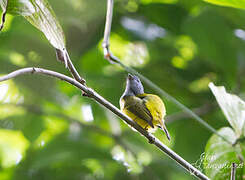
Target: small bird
(147, 110)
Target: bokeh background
(49, 131)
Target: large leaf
(40, 14)
(232, 106)
(219, 156)
(231, 3)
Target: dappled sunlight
(131, 53)
(114, 123)
(13, 146)
(201, 84)
(137, 54)
(3, 90)
(111, 69)
(196, 10)
(142, 29)
(72, 107)
(95, 166)
(186, 47)
(117, 45)
(179, 62)
(132, 6)
(74, 130)
(17, 59)
(186, 50)
(18, 158)
(53, 127)
(87, 113)
(240, 33)
(10, 95)
(144, 157)
(34, 56)
(159, 1)
(8, 111)
(128, 160)
(76, 5)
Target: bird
(147, 110)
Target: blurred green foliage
(49, 131)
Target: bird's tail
(164, 128)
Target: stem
(73, 70)
(63, 56)
(92, 94)
(204, 109)
(107, 31)
(113, 59)
(233, 171)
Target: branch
(73, 70)
(108, 24)
(63, 56)
(92, 94)
(93, 128)
(113, 59)
(107, 54)
(204, 109)
(233, 171)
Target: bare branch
(73, 70)
(106, 43)
(63, 56)
(92, 94)
(108, 24)
(233, 171)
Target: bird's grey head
(134, 86)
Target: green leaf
(13, 146)
(40, 14)
(230, 3)
(232, 106)
(219, 156)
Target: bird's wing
(155, 105)
(140, 110)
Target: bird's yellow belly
(139, 121)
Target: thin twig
(108, 24)
(63, 56)
(92, 94)
(73, 70)
(106, 42)
(204, 109)
(113, 59)
(233, 171)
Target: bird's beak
(130, 76)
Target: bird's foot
(151, 140)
